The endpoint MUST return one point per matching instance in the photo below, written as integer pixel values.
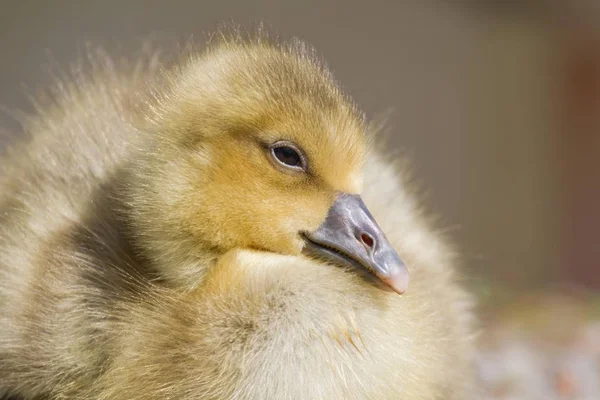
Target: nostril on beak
(367, 240)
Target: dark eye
(288, 155)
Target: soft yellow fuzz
(149, 249)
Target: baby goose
(206, 239)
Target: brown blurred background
(498, 104)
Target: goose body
(144, 254)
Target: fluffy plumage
(149, 251)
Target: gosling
(201, 231)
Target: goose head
(254, 146)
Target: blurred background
(496, 102)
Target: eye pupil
(287, 156)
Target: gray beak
(351, 237)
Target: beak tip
(398, 281)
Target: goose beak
(350, 236)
